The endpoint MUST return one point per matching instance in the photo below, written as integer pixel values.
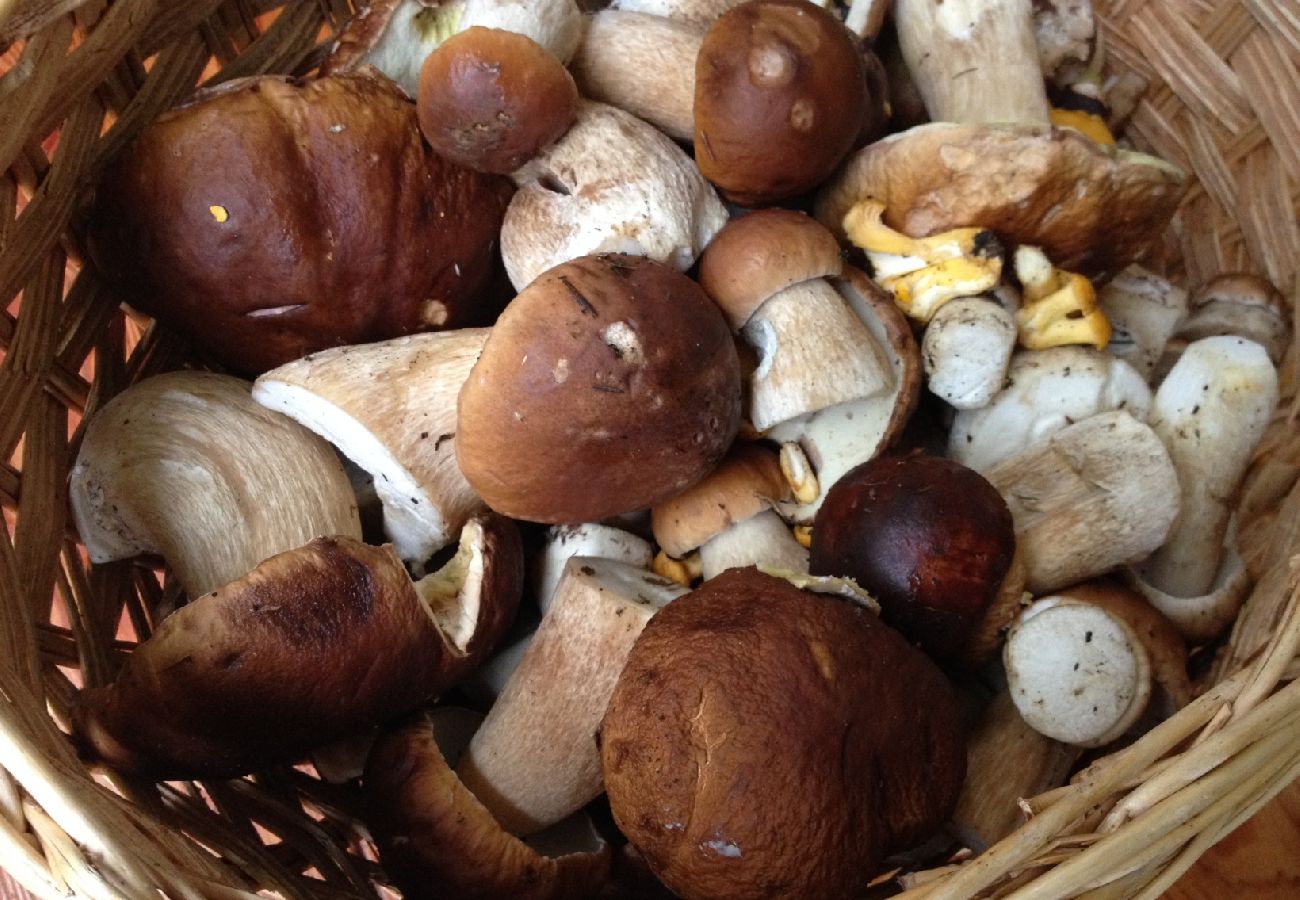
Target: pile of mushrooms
(714, 444)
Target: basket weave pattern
(79, 77)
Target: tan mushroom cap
(747, 482)
(437, 840)
(760, 254)
(764, 741)
(609, 384)
(492, 99)
(1090, 208)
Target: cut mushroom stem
(966, 351)
(763, 539)
(643, 64)
(253, 483)
(390, 407)
(1210, 411)
(535, 759)
(563, 542)
(1095, 495)
(1144, 311)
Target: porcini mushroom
(697, 12)
(1210, 411)
(593, 539)
(966, 351)
(312, 645)
(1145, 311)
(763, 740)
(535, 759)
(255, 483)
(1243, 305)
(607, 385)
(1202, 617)
(390, 407)
(437, 840)
(730, 517)
(612, 184)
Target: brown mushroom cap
(272, 217)
(437, 840)
(609, 384)
(314, 644)
(929, 538)
(747, 482)
(767, 742)
(1090, 208)
(780, 97)
(491, 99)
(760, 254)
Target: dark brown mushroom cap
(312, 645)
(767, 742)
(438, 841)
(610, 383)
(491, 99)
(273, 217)
(1091, 209)
(930, 539)
(780, 98)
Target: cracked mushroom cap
(780, 98)
(763, 741)
(1090, 208)
(270, 217)
(609, 384)
(491, 99)
(437, 840)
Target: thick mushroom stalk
(535, 759)
(612, 184)
(1202, 618)
(1210, 411)
(1144, 311)
(314, 644)
(390, 407)
(254, 483)
(974, 60)
(563, 542)
(966, 351)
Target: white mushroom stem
(187, 466)
(763, 539)
(390, 407)
(866, 17)
(1045, 391)
(555, 25)
(535, 759)
(1077, 673)
(1210, 412)
(814, 352)
(698, 12)
(563, 542)
(974, 60)
(1095, 495)
(966, 351)
(612, 184)
(643, 64)
(1144, 312)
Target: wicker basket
(81, 76)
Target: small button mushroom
(934, 567)
(1210, 411)
(1081, 665)
(1095, 495)
(254, 483)
(599, 355)
(1144, 311)
(490, 100)
(761, 735)
(730, 518)
(1243, 305)
(437, 840)
(315, 644)
(403, 435)
(611, 184)
(271, 217)
(534, 761)
(780, 98)
(1045, 391)
(592, 539)
(966, 351)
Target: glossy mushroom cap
(763, 741)
(930, 539)
(780, 98)
(610, 383)
(491, 99)
(272, 217)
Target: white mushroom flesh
(763, 539)
(563, 542)
(1144, 311)
(966, 351)
(554, 24)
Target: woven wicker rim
(81, 76)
